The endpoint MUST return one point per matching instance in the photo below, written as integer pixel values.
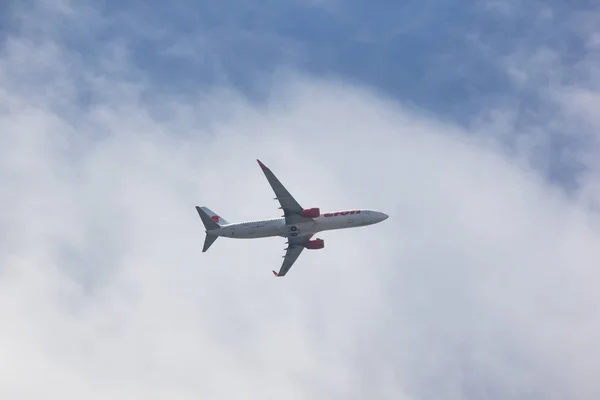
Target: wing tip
(261, 164)
(276, 274)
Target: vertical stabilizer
(220, 221)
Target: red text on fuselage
(335, 214)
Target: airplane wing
(295, 247)
(289, 205)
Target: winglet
(261, 164)
(276, 274)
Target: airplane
(297, 224)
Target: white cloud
(480, 285)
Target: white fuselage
(277, 227)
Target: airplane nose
(383, 216)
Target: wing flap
(295, 247)
(291, 208)
(289, 259)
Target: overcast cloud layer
(482, 284)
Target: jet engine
(315, 244)
(311, 212)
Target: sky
(472, 124)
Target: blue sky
(456, 59)
(444, 56)
(473, 124)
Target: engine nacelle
(315, 244)
(311, 212)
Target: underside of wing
(295, 247)
(291, 209)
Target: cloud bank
(480, 285)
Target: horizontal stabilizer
(208, 241)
